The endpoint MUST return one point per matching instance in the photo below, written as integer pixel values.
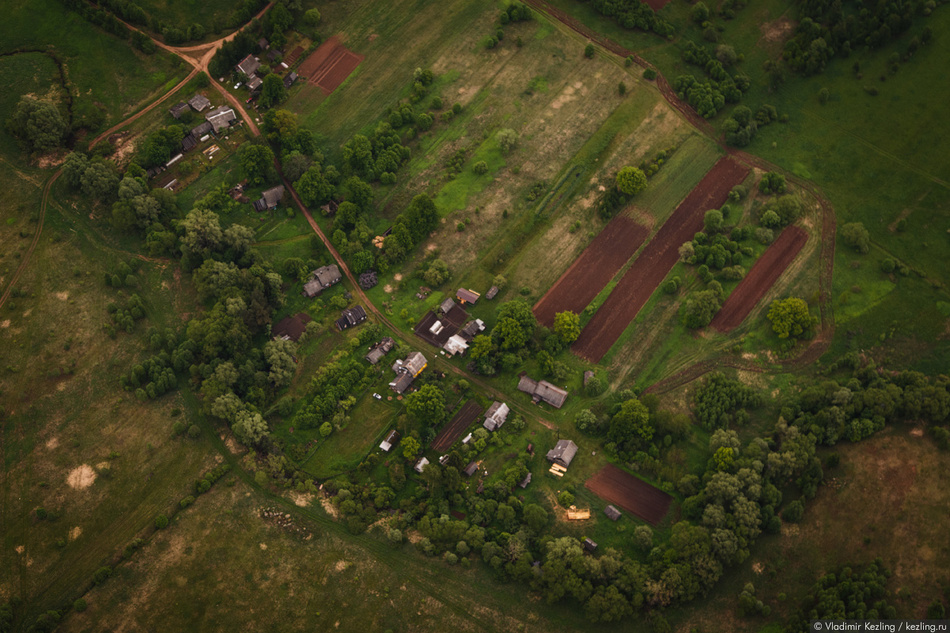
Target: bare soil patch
(300, 499)
(656, 260)
(590, 272)
(456, 426)
(81, 477)
(329, 65)
(630, 493)
(765, 272)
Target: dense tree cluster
(742, 125)
(790, 317)
(39, 125)
(633, 14)
(846, 594)
(721, 401)
(510, 342)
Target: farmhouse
(291, 328)
(407, 370)
(542, 391)
(467, 296)
(199, 102)
(179, 109)
(270, 199)
(563, 453)
(472, 329)
(221, 118)
(612, 512)
(254, 83)
(188, 143)
(455, 345)
(202, 129)
(379, 350)
(391, 440)
(249, 65)
(321, 279)
(495, 416)
(351, 317)
(422, 463)
(471, 469)
(290, 79)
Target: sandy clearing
(75, 533)
(81, 477)
(52, 443)
(62, 296)
(300, 499)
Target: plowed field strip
(456, 426)
(313, 62)
(765, 272)
(340, 70)
(656, 260)
(590, 272)
(630, 493)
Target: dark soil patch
(590, 272)
(633, 495)
(329, 65)
(456, 426)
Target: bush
(793, 512)
(589, 51)
(161, 522)
(481, 167)
(649, 74)
(102, 574)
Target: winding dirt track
(819, 345)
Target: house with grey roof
(249, 65)
(542, 391)
(407, 370)
(563, 453)
(199, 102)
(496, 416)
(321, 279)
(254, 83)
(179, 109)
(472, 329)
(612, 513)
(379, 350)
(221, 118)
(351, 317)
(200, 130)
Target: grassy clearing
(66, 415)
(105, 72)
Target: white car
(377, 396)
(237, 85)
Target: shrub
(649, 74)
(565, 499)
(589, 51)
(481, 167)
(161, 522)
(102, 574)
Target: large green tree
(631, 180)
(273, 92)
(790, 317)
(39, 124)
(427, 405)
(567, 326)
(257, 163)
(630, 427)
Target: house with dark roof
(200, 130)
(612, 512)
(249, 65)
(542, 391)
(221, 118)
(378, 351)
(467, 296)
(290, 79)
(407, 370)
(446, 306)
(179, 109)
(495, 416)
(351, 317)
(471, 469)
(291, 328)
(188, 143)
(492, 292)
(563, 453)
(199, 102)
(472, 329)
(254, 83)
(391, 440)
(270, 199)
(321, 279)
(589, 545)
(273, 54)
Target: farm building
(221, 118)
(492, 292)
(274, 53)
(291, 328)
(471, 469)
(391, 440)
(407, 370)
(422, 463)
(199, 102)
(351, 317)
(612, 513)
(248, 65)
(179, 109)
(542, 391)
(573, 514)
(589, 545)
(495, 416)
(446, 306)
(188, 143)
(379, 350)
(270, 199)
(321, 279)
(472, 329)
(201, 130)
(524, 482)
(254, 83)
(563, 453)
(455, 345)
(290, 79)
(467, 296)
(263, 44)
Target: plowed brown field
(630, 493)
(765, 272)
(329, 65)
(456, 426)
(590, 272)
(656, 260)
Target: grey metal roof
(563, 453)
